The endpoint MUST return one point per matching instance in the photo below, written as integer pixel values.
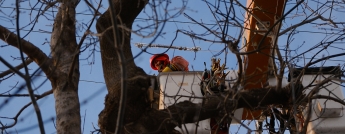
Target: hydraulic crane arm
(260, 17)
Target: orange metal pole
(261, 16)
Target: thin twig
(77, 51)
(15, 118)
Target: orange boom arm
(261, 16)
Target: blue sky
(92, 87)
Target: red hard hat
(161, 57)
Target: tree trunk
(66, 77)
(126, 10)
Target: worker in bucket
(161, 63)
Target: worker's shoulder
(178, 59)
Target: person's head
(159, 61)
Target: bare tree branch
(3, 74)
(34, 53)
(169, 118)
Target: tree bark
(126, 10)
(66, 77)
